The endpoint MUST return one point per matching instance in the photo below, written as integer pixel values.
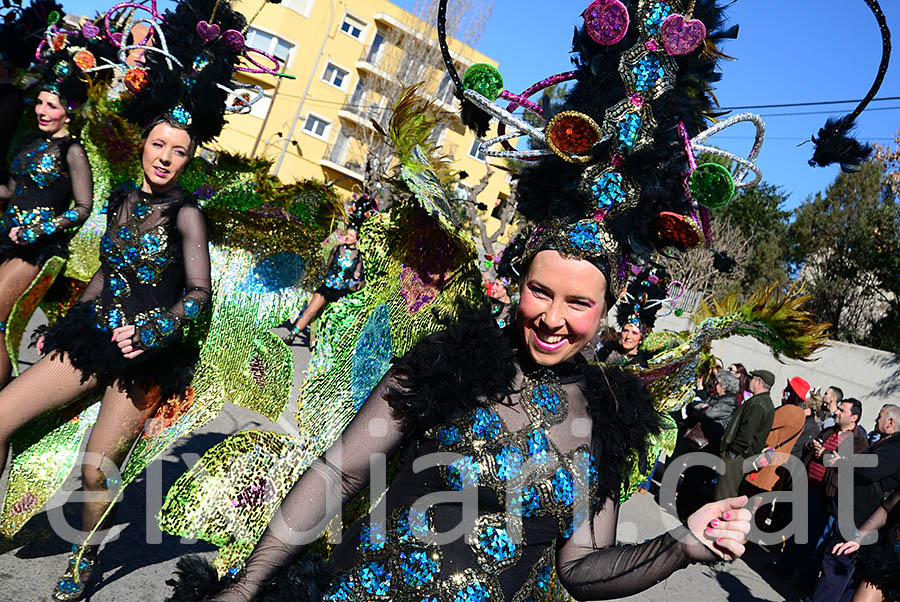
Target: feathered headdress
(646, 294)
(614, 179)
(22, 31)
(67, 62)
(187, 71)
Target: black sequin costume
(343, 273)
(45, 176)
(543, 453)
(154, 274)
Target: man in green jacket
(746, 433)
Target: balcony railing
(340, 153)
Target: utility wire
(823, 112)
(806, 104)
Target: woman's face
(51, 114)
(630, 337)
(350, 236)
(165, 156)
(562, 303)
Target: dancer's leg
(51, 383)
(15, 276)
(121, 420)
(313, 308)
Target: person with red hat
(800, 559)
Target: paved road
(132, 570)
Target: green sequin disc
(484, 79)
(712, 185)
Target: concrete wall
(870, 375)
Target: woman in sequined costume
(535, 442)
(343, 275)
(123, 340)
(45, 177)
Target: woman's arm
(336, 477)
(876, 520)
(591, 567)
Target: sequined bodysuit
(528, 463)
(46, 175)
(344, 269)
(153, 273)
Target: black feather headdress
(188, 92)
(22, 32)
(644, 297)
(66, 65)
(612, 177)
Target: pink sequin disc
(606, 21)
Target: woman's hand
(122, 337)
(722, 526)
(40, 345)
(844, 548)
(14, 235)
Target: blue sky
(787, 51)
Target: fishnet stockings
(54, 383)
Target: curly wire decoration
(259, 68)
(236, 102)
(523, 129)
(49, 33)
(517, 99)
(747, 164)
(111, 35)
(163, 47)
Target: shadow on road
(136, 546)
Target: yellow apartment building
(350, 59)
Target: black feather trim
(195, 579)
(306, 579)
(474, 117)
(834, 144)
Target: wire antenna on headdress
(833, 142)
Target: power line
(807, 104)
(823, 112)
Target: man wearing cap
(800, 559)
(746, 433)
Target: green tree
(846, 245)
(758, 212)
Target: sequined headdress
(189, 59)
(612, 176)
(649, 292)
(67, 61)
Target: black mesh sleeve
(592, 567)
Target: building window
(374, 52)
(302, 7)
(353, 27)
(316, 126)
(445, 90)
(474, 152)
(335, 76)
(277, 47)
(260, 108)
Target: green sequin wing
(24, 307)
(43, 454)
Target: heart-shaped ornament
(208, 32)
(89, 30)
(681, 37)
(233, 39)
(636, 269)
